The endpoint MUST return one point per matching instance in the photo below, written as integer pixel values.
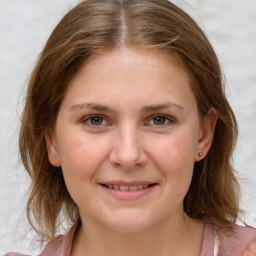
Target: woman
(127, 133)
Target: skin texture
(251, 251)
(131, 116)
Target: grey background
(24, 28)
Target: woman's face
(127, 136)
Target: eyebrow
(158, 107)
(149, 108)
(93, 106)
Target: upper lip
(128, 183)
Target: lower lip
(128, 194)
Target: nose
(127, 151)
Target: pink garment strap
(216, 241)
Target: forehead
(127, 73)
(131, 56)
(127, 61)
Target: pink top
(216, 242)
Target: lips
(128, 190)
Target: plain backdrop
(24, 28)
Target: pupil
(96, 120)
(159, 120)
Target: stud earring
(200, 154)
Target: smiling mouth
(128, 188)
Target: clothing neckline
(210, 233)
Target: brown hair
(95, 26)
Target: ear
(206, 134)
(52, 151)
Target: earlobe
(206, 134)
(52, 152)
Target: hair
(96, 26)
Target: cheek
(175, 148)
(174, 157)
(81, 159)
(81, 156)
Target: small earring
(200, 154)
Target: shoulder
(238, 240)
(53, 247)
(15, 254)
(60, 246)
(56, 247)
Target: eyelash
(166, 118)
(88, 121)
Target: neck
(182, 237)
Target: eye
(160, 120)
(95, 121)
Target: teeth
(125, 188)
(133, 188)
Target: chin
(130, 222)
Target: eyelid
(87, 118)
(168, 117)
